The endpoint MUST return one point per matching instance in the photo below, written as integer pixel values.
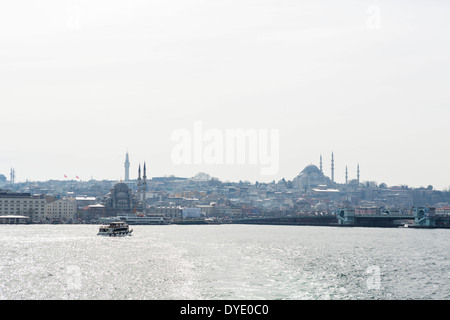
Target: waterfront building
(444, 211)
(174, 212)
(95, 211)
(23, 204)
(207, 209)
(191, 213)
(60, 209)
(236, 211)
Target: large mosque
(121, 198)
(313, 176)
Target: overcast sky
(82, 82)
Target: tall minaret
(321, 167)
(144, 188)
(127, 168)
(346, 175)
(357, 174)
(12, 175)
(332, 167)
(139, 183)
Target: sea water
(221, 262)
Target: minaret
(332, 167)
(346, 175)
(127, 168)
(144, 188)
(357, 174)
(321, 168)
(139, 183)
(12, 175)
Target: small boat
(115, 229)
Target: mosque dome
(310, 177)
(121, 191)
(311, 169)
(121, 187)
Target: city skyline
(84, 82)
(330, 173)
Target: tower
(127, 168)
(346, 175)
(332, 166)
(357, 174)
(144, 188)
(12, 175)
(321, 168)
(139, 183)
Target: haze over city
(82, 83)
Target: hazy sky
(82, 82)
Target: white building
(174, 212)
(84, 201)
(191, 212)
(36, 207)
(61, 209)
(23, 204)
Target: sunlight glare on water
(223, 262)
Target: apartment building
(25, 204)
(60, 209)
(38, 208)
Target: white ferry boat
(137, 219)
(115, 229)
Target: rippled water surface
(224, 262)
